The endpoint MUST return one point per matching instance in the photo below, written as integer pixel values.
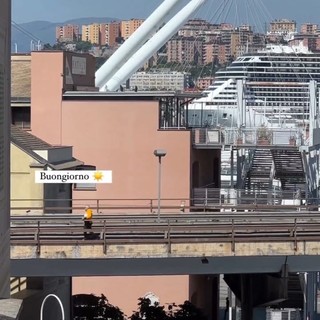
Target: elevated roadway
(198, 243)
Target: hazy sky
(250, 10)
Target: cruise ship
(275, 89)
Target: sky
(254, 11)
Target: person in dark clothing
(226, 311)
(87, 218)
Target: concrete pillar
(204, 294)
(5, 27)
(246, 297)
(311, 296)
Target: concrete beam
(91, 249)
(169, 266)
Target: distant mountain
(26, 35)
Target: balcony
(246, 138)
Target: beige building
(283, 26)
(160, 80)
(20, 90)
(128, 27)
(101, 33)
(91, 33)
(29, 154)
(309, 28)
(194, 28)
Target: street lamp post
(159, 153)
(45, 299)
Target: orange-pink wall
(46, 90)
(124, 292)
(121, 136)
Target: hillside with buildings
(25, 36)
(188, 60)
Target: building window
(85, 186)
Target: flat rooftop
(128, 95)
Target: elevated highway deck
(199, 243)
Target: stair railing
(246, 166)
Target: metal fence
(251, 136)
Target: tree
(99, 62)
(149, 311)
(153, 311)
(188, 311)
(90, 307)
(83, 46)
(47, 46)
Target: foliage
(99, 62)
(264, 133)
(188, 311)
(149, 311)
(89, 306)
(83, 46)
(185, 311)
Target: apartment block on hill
(67, 33)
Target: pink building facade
(118, 132)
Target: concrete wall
(5, 44)
(36, 291)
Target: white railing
(252, 136)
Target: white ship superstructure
(276, 89)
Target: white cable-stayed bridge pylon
(134, 42)
(134, 59)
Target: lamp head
(159, 152)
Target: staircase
(259, 175)
(289, 170)
(295, 292)
(258, 179)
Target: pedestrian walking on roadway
(226, 311)
(87, 218)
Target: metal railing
(205, 197)
(39, 206)
(202, 199)
(291, 226)
(251, 136)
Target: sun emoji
(98, 175)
